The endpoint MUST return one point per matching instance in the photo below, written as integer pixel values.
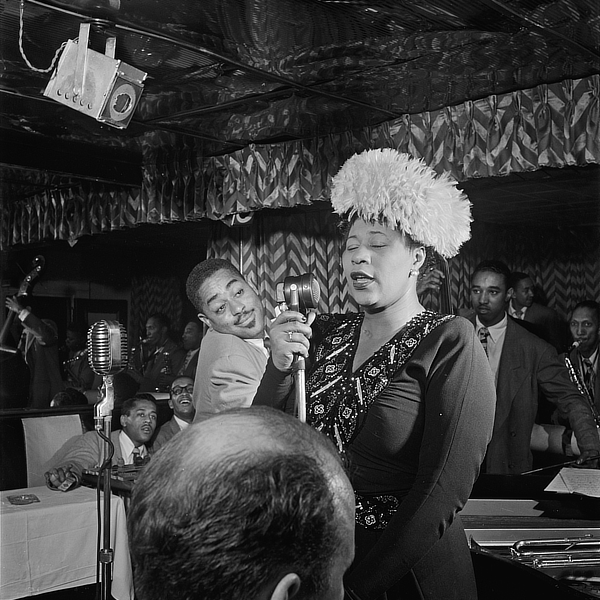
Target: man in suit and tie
(232, 356)
(585, 353)
(523, 364)
(540, 319)
(191, 339)
(180, 402)
(138, 422)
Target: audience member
(138, 422)
(39, 346)
(191, 338)
(539, 319)
(181, 403)
(78, 373)
(404, 393)
(584, 357)
(232, 356)
(159, 358)
(249, 503)
(523, 364)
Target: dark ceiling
(223, 74)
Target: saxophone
(576, 379)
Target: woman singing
(405, 394)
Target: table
(52, 544)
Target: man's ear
(123, 420)
(170, 403)
(287, 588)
(510, 293)
(205, 320)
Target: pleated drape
(551, 125)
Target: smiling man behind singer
(232, 356)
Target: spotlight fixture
(96, 84)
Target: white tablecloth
(52, 544)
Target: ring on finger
(290, 335)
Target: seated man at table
(180, 402)
(249, 503)
(138, 422)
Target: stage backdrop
(275, 244)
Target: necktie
(186, 362)
(138, 461)
(484, 334)
(589, 377)
(519, 314)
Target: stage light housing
(96, 84)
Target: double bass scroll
(14, 372)
(24, 290)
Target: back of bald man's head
(233, 501)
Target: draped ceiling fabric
(553, 125)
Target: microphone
(301, 293)
(107, 355)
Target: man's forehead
(181, 381)
(218, 283)
(584, 314)
(144, 405)
(525, 283)
(489, 278)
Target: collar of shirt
(495, 331)
(182, 424)
(259, 343)
(127, 447)
(513, 313)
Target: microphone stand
(103, 418)
(299, 363)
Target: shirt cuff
(24, 314)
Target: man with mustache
(585, 356)
(523, 365)
(232, 356)
(180, 402)
(138, 422)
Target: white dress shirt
(513, 313)
(127, 447)
(259, 343)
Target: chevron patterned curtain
(276, 245)
(563, 265)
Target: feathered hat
(402, 192)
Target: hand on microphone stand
(289, 335)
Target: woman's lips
(360, 280)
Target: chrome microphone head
(301, 292)
(107, 347)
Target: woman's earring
(413, 273)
